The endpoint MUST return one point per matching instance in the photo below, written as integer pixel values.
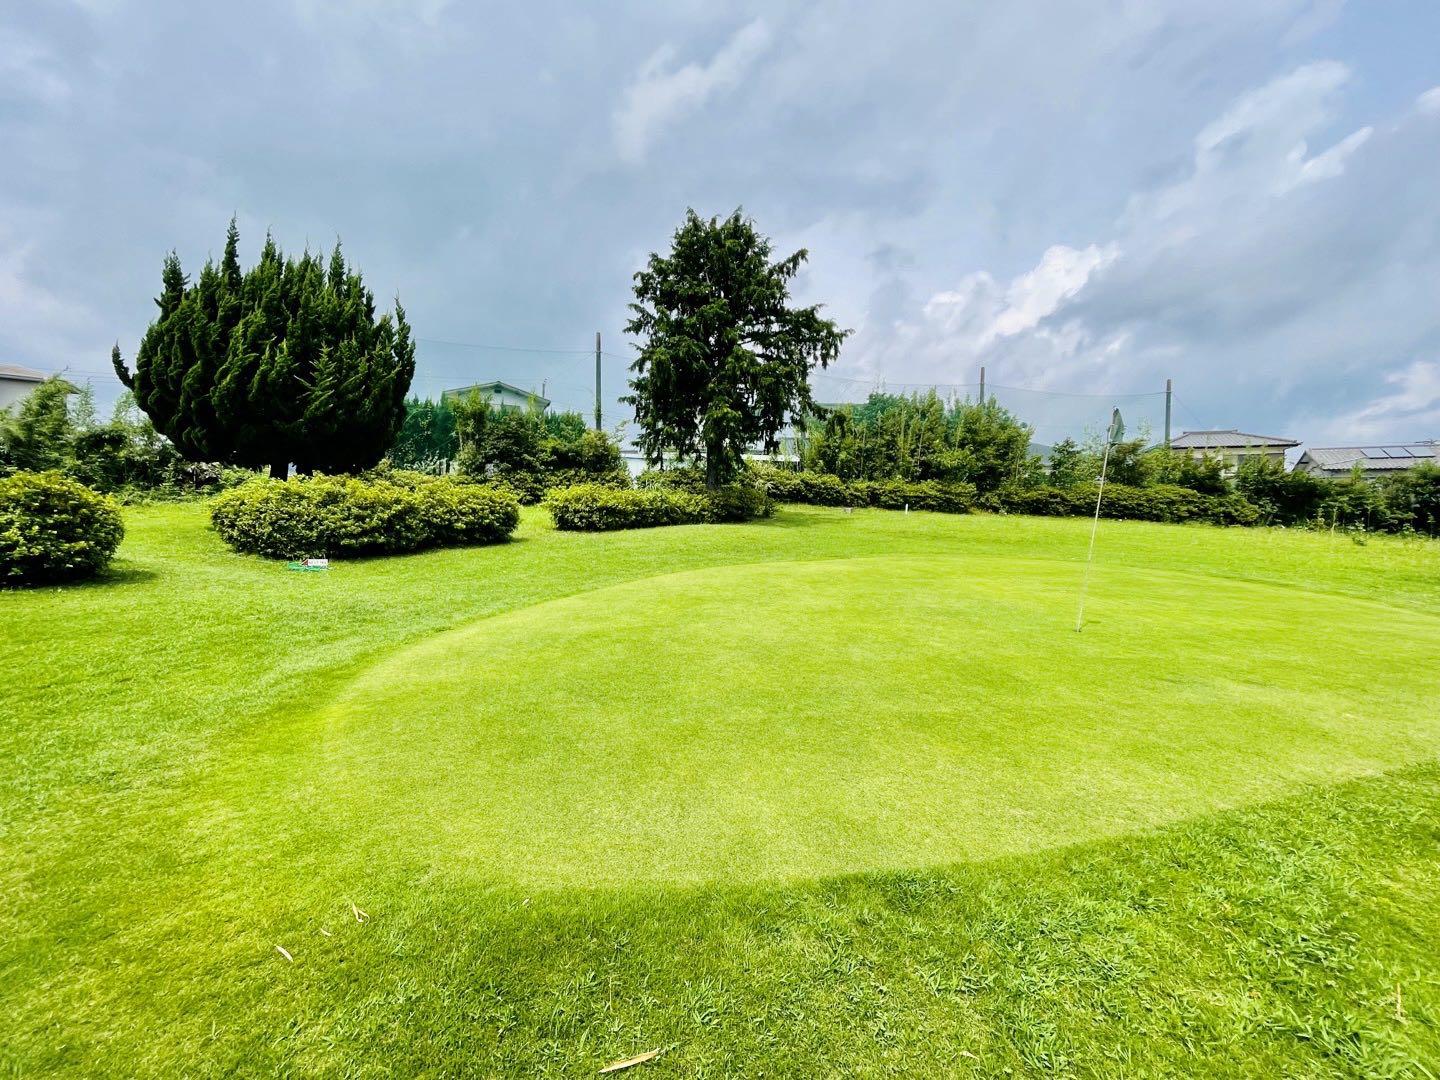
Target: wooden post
(597, 381)
(1169, 392)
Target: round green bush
(54, 529)
(327, 516)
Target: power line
(879, 383)
(1191, 413)
(504, 348)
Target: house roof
(21, 374)
(1372, 458)
(496, 387)
(1226, 439)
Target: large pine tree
(284, 362)
(725, 358)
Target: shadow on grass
(124, 575)
(809, 517)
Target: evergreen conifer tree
(284, 362)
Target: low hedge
(327, 516)
(1163, 502)
(823, 489)
(739, 502)
(597, 508)
(816, 489)
(952, 498)
(689, 478)
(54, 529)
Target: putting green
(799, 719)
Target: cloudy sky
(1086, 197)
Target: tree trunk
(279, 470)
(714, 464)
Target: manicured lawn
(828, 794)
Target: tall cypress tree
(284, 362)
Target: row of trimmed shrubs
(325, 516)
(1162, 502)
(598, 508)
(822, 489)
(54, 529)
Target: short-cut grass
(828, 794)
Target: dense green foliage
(922, 437)
(531, 451)
(428, 440)
(823, 489)
(724, 358)
(326, 516)
(55, 428)
(284, 362)
(53, 529)
(183, 790)
(597, 508)
(1158, 502)
(1412, 499)
(37, 433)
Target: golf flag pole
(1112, 436)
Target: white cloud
(1429, 101)
(1412, 404)
(1330, 163)
(980, 313)
(1264, 269)
(31, 70)
(661, 94)
(1259, 146)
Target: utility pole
(597, 381)
(982, 384)
(1169, 393)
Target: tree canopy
(284, 362)
(725, 359)
(923, 437)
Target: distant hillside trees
(284, 362)
(725, 358)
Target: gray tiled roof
(1228, 439)
(1372, 458)
(24, 374)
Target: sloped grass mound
(793, 720)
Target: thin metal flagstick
(1094, 526)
